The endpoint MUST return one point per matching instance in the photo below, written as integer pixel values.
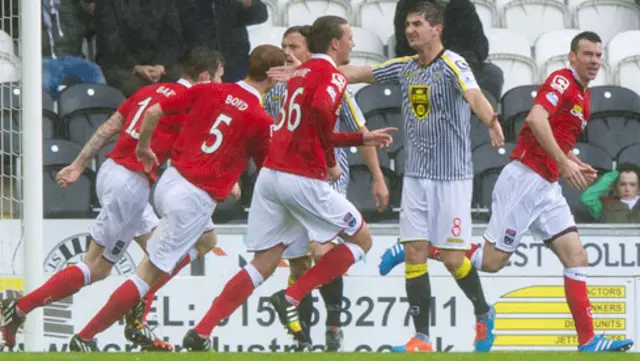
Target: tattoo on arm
(98, 140)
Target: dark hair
(585, 35)
(304, 30)
(323, 31)
(262, 58)
(433, 11)
(201, 59)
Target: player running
(295, 43)
(291, 195)
(225, 126)
(123, 190)
(527, 195)
(439, 93)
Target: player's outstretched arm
(358, 73)
(102, 135)
(538, 121)
(481, 107)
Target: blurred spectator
(614, 198)
(232, 18)
(64, 26)
(139, 42)
(462, 33)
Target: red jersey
(569, 107)
(124, 151)
(301, 140)
(225, 126)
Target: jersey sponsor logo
(577, 112)
(552, 98)
(339, 81)
(560, 83)
(419, 99)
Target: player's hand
(379, 137)
(380, 194)
(68, 175)
(282, 73)
(236, 192)
(334, 173)
(147, 158)
(572, 172)
(495, 132)
(589, 173)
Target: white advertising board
(532, 314)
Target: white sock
(576, 273)
(86, 272)
(356, 251)
(141, 285)
(476, 259)
(254, 274)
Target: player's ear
(204, 76)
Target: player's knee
(362, 238)
(100, 269)
(206, 243)
(453, 260)
(319, 250)
(299, 266)
(416, 252)
(576, 257)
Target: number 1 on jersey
(217, 133)
(294, 114)
(131, 130)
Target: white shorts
(436, 211)
(186, 212)
(292, 210)
(301, 249)
(522, 200)
(126, 212)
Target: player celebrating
(123, 190)
(291, 195)
(295, 43)
(527, 195)
(439, 91)
(225, 126)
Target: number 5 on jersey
(217, 133)
(290, 113)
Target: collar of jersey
(243, 84)
(325, 57)
(184, 82)
(575, 77)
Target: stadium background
(528, 39)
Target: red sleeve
(260, 140)
(552, 91)
(323, 109)
(344, 139)
(182, 101)
(125, 107)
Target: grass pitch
(494, 356)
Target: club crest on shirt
(419, 99)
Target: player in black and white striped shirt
(439, 93)
(350, 119)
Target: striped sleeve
(460, 72)
(351, 116)
(273, 100)
(390, 71)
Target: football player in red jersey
(292, 195)
(224, 126)
(527, 195)
(123, 190)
